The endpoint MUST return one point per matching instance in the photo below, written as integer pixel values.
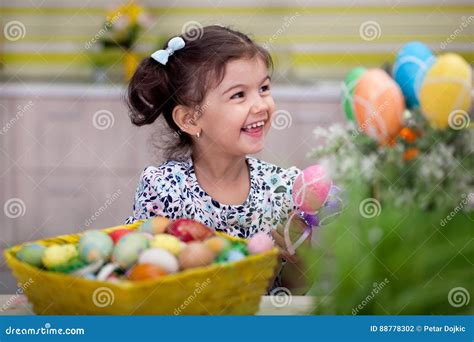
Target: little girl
(214, 93)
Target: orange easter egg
(145, 271)
(196, 254)
(217, 244)
(155, 225)
(378, 105)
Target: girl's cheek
(271, 105)
(271, 109)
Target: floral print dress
(172, 190)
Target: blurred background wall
(70, 158)
(310, 40)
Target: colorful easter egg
(32, 254)
(189, 230)
(235, 255)
(233, 252)
(155, 225)
(168, 242)
(240, 246)
(95, 245)
(311, 188)
(161, 258)
(117, 234)
(128, 249)
(411, 65)
(446, 92)
(379, 106)
(259, 243)
(145, 272)
(217, 244)
(59, 255)
(196, 254)
(348, 90)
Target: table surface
(269, 305)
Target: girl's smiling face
(237, 113)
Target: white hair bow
(174, 44)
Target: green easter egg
(348, 90)
(32, 254)
(128, 249)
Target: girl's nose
(259, 105)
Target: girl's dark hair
(155, 89)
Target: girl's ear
(185, 118)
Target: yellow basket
(219, 289)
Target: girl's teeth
(255, 125)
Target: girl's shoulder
(168, 167)
(169, 174)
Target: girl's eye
(265, 88)
(237, 95)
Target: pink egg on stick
(311, 189)
(259, 243)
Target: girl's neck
(219, 168)
(226, 180)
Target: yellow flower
(131, 10)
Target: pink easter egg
(259, 243)
(311, 189)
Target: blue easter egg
(411, 65)
(95, 245)
(32, 254)
(235, 255)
